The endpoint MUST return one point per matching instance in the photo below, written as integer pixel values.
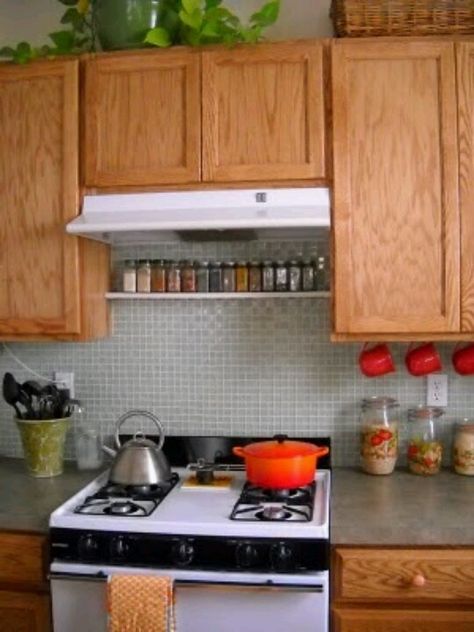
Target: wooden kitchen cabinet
(259, 111)
(51, 285)
(143, 118)
(24, 592)
(396, 218)
(263, 112)
(400, 590)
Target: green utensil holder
(43, 445)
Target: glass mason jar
(202, 276)
(228, 277)
(379, 435)
(188, 276)
(463, 448)
(215, 277)
(255, 276)
(158, 275)
(129, 276)
(268, 276)
(425, 451)
(173, 277)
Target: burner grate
(275, 505)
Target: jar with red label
(379, 435)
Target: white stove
(275, 569)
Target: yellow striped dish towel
(138, 603)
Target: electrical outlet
(437, 390)
(64, 379)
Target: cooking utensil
(139, 461)
(280, 464)
(11, 392)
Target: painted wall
(31, 20)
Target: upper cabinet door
(465, 66)
(396, 215)
(143, 118)
(263, 113)
(39, 263)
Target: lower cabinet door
(371, 620)
(24, 612)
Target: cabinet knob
(418, 580)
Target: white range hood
(204, 215)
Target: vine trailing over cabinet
(121, 24)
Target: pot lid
(280, 448)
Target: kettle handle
(139, 413)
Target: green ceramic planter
(43, 445)
(124, 23)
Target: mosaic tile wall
(252, 367)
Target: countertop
(402, 509)
(26, 502)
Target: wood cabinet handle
(418, 580)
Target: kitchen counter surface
(402, 509)
(26, 502)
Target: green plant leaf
(190, 6)
(267, 15)
(211, 4)
(7, 51)
(73, 17)
(193, 20)
(211, 29)
(68, 3)
(158, 37)
(64, 41)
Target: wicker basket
(367, 18)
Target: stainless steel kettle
(140, 461)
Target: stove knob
(119, 548)
(182, 552)
(246, 555)
(281, 556)
(87, 547)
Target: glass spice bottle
(379, 435)
(322, 274)
(425, 450)
(281, 276)
(255, 276)
(268, 276)
(215, 277)
(158, 276)
(188, 277)
(294, 276)
(144, 276)
(129, 276)
(463, 448)
(242, 277)
(202, 276)
(228, 277)
(173, 278)
(307, 274)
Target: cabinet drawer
(404, 575)
(21, 558)
(362, 620)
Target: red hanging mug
(375, 361)
(463, 359)
(423, 359)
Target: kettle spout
(109, 451)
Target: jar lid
(466, 425)
(202, 264)
(129, 262)
(255, 264)
(424, 412)
(280, 263)
(229, 264)
(216, 264)
(294, 262)
(381, 401)
(268, 263)
(242, 264)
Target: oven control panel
(196, 552)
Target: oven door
(205, 601)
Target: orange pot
(280, 464)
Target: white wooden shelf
(169, 296)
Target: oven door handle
(196, 583)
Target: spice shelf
(210, 295)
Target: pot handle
(139, 413)
(238, 451)
(321, 452)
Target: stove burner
(124, 508)
(272, 512)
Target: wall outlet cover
(64, 379)
(437, 390)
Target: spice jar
(322, 274)
(255, 276)
(268, 276)
(188, 277)
(379, 435)
(294, 276)
(173, 279)
(228, 277)
(307, 274)
(144, 276)
(202, 276)
(463, 448)
(158, 276)
(425, 451)
(281, 276)
(129, 276)
(242, 277)
(215, 277)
